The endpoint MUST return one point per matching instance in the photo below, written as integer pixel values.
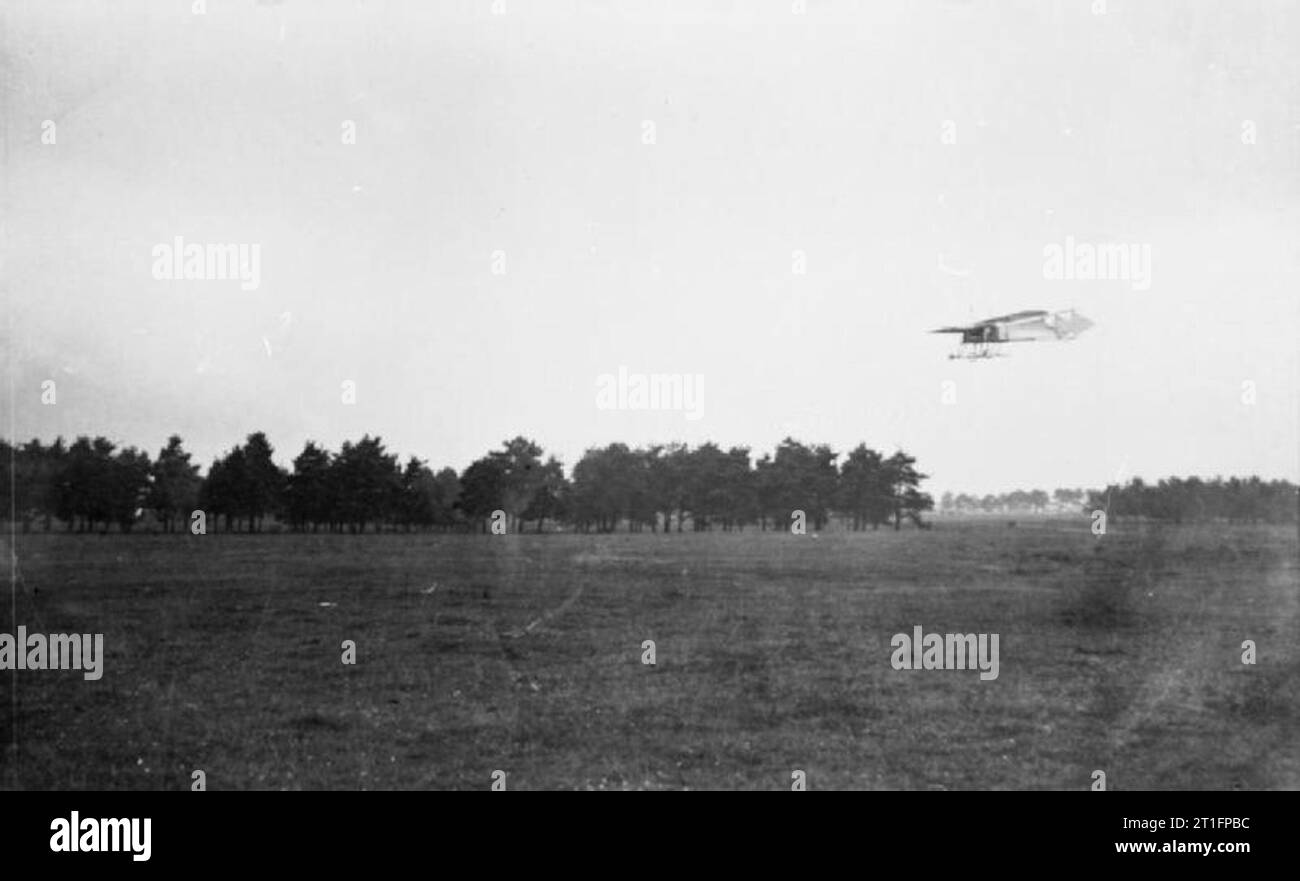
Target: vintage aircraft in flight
(979, 340)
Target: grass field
(523, 653)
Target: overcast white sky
(1170, 124)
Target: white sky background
(775, 132)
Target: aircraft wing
(1030, 316)
(1018, 327)
(1017, 317)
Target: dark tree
(174, 492)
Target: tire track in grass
(549, 615)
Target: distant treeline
(91, 484)
(1234, 500)
(1034, 501)
(1174, 499)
